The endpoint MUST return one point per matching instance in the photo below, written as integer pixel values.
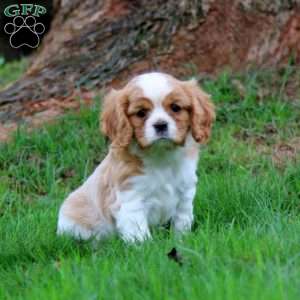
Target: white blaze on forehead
(155, 86)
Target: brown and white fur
(155, 124)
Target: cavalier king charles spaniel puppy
(156, 124)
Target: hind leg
(78, 217)
(69, 227)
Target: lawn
(245, 243)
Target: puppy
(156, 124)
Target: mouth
(163, 141)
(162, 137)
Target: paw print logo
(24, 32)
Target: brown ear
(202, 111)
(114, 121)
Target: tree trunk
(92, 43)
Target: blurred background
(91, 44)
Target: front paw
(183, 224)
(137, 235)
(133, 230)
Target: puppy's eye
(175, 107)
(141, 113)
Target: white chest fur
(164, 192)
(162, 185)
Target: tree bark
(93, 43)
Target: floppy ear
(202, 111)
(114, 121)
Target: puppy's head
(157, 107)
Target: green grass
(245, 243)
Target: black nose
(161, 126)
